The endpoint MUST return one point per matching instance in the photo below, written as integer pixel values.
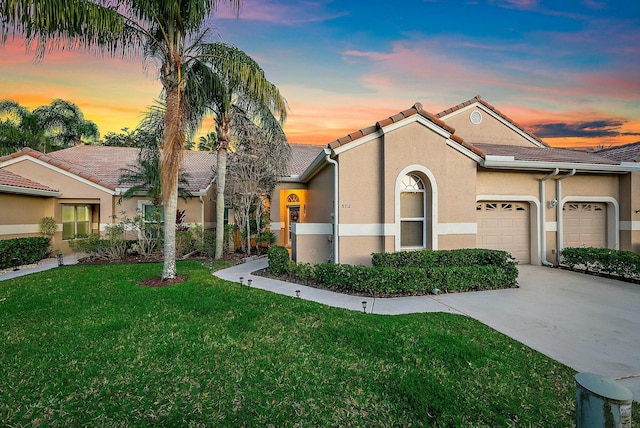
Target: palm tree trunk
(221, 171)
(171, 205)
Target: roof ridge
(478, 99)
(416, 108)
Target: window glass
(412, 212)
(411, 204)
(411, 234)
(68, 213)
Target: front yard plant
(87, 346)
(406, 273)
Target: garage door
(584, 224)
(504, 226)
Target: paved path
(45, 264)
(589, 323)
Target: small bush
(26, 250)
(48, 226)
(625, 264)
(278, 260)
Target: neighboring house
(79, 188)
(468, 177)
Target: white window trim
(432, 210)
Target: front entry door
(294, 217)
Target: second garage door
(504, 226)
(584, 224)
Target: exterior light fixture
(249, 281)
(60, 258)
(15, 262)
(552, 203)
(436, 291)
(242, 280)
(298, 294)
(364, 306)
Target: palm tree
(250, 90)
(169, 33)
(56, 126)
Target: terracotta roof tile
(543, 154)
(302, 155)
(625, 153)
(10, 179)
(493, 109)
(102, 165)
(415, 109)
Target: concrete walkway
(589, 323)
(46, 264)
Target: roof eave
(28, 191)
(507, 162)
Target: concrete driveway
(589, 323)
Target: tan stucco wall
(20, 215)
(490, 130)
(311, 248)
(356, 250)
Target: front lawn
(87, 346)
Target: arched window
(413, 222)
(292, 198)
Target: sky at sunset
(568, 71)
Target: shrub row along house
(463, 178)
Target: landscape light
(364, 306)
(298, 293)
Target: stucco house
(466, 177)
(79, 188)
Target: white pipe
(559, 210)
(543, 219)
(336, 246)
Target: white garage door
(584, 224)
(504, 226)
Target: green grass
(87, 346)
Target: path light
(298, 293)
(242, 280)
(15, 262)
(249, 281)
(60, 258)
(436, 291)
(364, 306)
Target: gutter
(336, 223)
(543, 219)
(559, 211)
(29, 191)
(508, 162)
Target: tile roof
(10, 179)
(543, 154)
(626, 153)
(302, 155)
(477, 99)
(415, 109)
(102, 164)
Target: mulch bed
(157, 281)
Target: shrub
(48, 226)
(26, 250)
(625, 264)
(278, 260)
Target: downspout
(336, 223)
(202, 218)
(559, 211)
(543, 219)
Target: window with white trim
(153, 218)
(76, 221)
(413, 222)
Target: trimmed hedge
(26, 250)
(625, 264)
(407, 273)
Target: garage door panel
(584, 224)
(504, 226)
